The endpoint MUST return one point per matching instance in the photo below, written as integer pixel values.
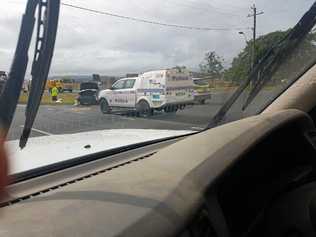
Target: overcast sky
(88, 43)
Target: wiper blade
(282, 51)
(10, 95)
(46, 35)
(270, 62)
(48, 14)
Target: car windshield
(118, 85)
(161, 51)
(129, 83)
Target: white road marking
(39, 131)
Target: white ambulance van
(167, 90)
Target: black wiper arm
(48, 14)
(10, 95)
(229, 103)
(269, 63)
(282, 51)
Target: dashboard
(281, 162)
(239, 179)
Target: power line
(150, 21)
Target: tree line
(213, 65)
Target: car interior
(252, 177)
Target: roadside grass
(67, 98)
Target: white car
(167, 90)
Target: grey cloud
(89, 43)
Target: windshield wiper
(11, 92)
(269, 64)
(282, 51)
(48, 14)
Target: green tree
(212, 65)
(241, 64)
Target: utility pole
(254, 29)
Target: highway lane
(62, 119)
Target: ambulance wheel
(104, 106)
(143, 109)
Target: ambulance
(167, 90)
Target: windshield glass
(118, 85)
(181, 61)
(129, 83)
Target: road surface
(67, 119)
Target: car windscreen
(104, 45)
(129, 83)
